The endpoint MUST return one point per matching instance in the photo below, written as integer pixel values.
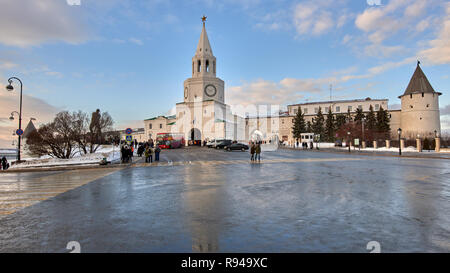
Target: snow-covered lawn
(105, 151)
(381, 149)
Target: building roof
(419, 83)
(204, 47)
(338, 101)
(29, 129)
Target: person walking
(252, 152)
(157, 151)
(258, 152)
(5, 164)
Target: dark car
(237, 146)
(223, 144)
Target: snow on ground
(105, 151)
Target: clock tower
(204, 85)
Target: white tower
(420, 107)
(204, 85)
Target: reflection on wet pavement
(213, 201)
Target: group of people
(255, 151)
(5, 164)
(126, 153)
(148, 149)
(305, 145)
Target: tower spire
(204, 47)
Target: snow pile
(78, 159)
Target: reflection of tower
(204, 207)
(420, 107)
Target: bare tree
(68, 134)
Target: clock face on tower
(210, 90)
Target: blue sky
(130, 57)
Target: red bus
(170, 140)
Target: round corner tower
(420, 107)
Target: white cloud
(30, 22)
(136, 41)
(438, 51)
(318, 17)
(32, 107)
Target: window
(422, 94)
(207, 65)
(316, 110)
(410, 96)
(338, 109)
(428, 105)
(350, 108)
(305, 111)
(160, 126)
(150, 126)
(377, 107)
(411, 106)
(199, 67)
(326, 109)
(360, 107)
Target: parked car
(223, 144)
(338, 143)
(237, 146)
(210, 143)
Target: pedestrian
(311, 146)
(122, 153)
(148, 155)
(140, 150)
(5, 164)
(157, 151)
(252, 152)
(258, 152)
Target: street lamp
(435, 133)
(399, 131)
(348, 142)
(10, 88)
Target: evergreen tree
(330, 126)
(359, 115)
(349, 116)
(340, 121)
(371, 120)
(383, 121)
(318, 123)
(299, 124)
(309, 127)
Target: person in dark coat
(5, 164)
(252, 152)
(258, 152)
(157, 151)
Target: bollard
(375, 144)
(438, 144)
(363, 144)
(402, 144)
(388, 144)
(419, 145)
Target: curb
(356, 152)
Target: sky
(130, 57)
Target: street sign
(356, 141)
(128, 131)
(19, 132)
(129, 138)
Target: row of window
(151, 126)
(337, 109)
(207, 69)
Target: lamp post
(9, 87)
(435, 133)
(348, 141)
(399, 131)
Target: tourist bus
(170, 140)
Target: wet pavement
(203, 200)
